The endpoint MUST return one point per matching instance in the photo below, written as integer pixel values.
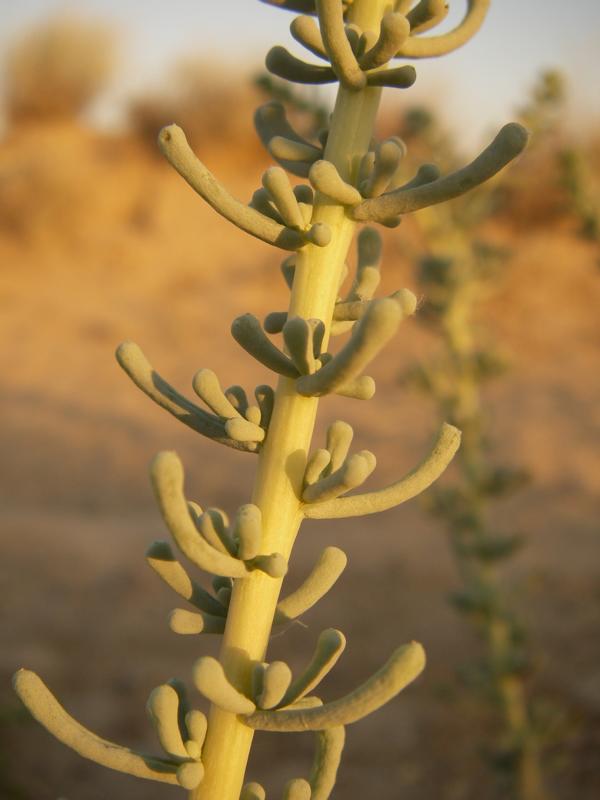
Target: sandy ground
(99, 242)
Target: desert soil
(99, 242)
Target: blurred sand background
(100, 241)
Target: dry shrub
(556, 183)
(530, 196)
(57, 69)
(533, 196)
(46, 172)
(210, 104)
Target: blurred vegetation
(544, 109)
(57, 69)
(306, 105)
(583, 196)
(457, 272)
(192, 87)
(543, 116)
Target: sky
(478, 87)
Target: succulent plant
(350, 180)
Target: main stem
(282, 460)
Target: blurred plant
(458, 271)
(544, 109)
(585, 203)
(543, 116)
(454, 283)
(55, 71)
(304, 101)
(192, 87)
(557, 161)
(349, 181)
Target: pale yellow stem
(282, 460)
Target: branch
(388, 155)
(318, 234)
(253, 790)
(402, 668)
(261, 201)
(288, 270)
(167, 479)
(162, 560)
(175, 148)
(306, 198)
(339, 50)
(355, 310)
(352, 473)
(509, 142)
(297, 789)
(282, 63)
(183, 710)
(46, 709)
(427, 173)
(307, 702)
(163, 709)
(315, 465)
(277, 184)
(213, 527)
(197, 726)
(368, 276)
(330, 744)
(138, 368)
(190, 774)
(426, 15)
(324, 574)
(265, 397)
(271, 123)
(433, 46)
(328, 753)
(190, 623)
(248, 333)
(242, 430)
(397, 78)
(303, 338)
(408, 487)
(291, 151)
(339, 439)
(247, 531)
(179, 728)
(237, 397)
(394, 31)
(325, 178)
(211, 681)
(362, 388)
(372, 332)
(330, 646)
(206, 385)
(305, 30)
(271, 682)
